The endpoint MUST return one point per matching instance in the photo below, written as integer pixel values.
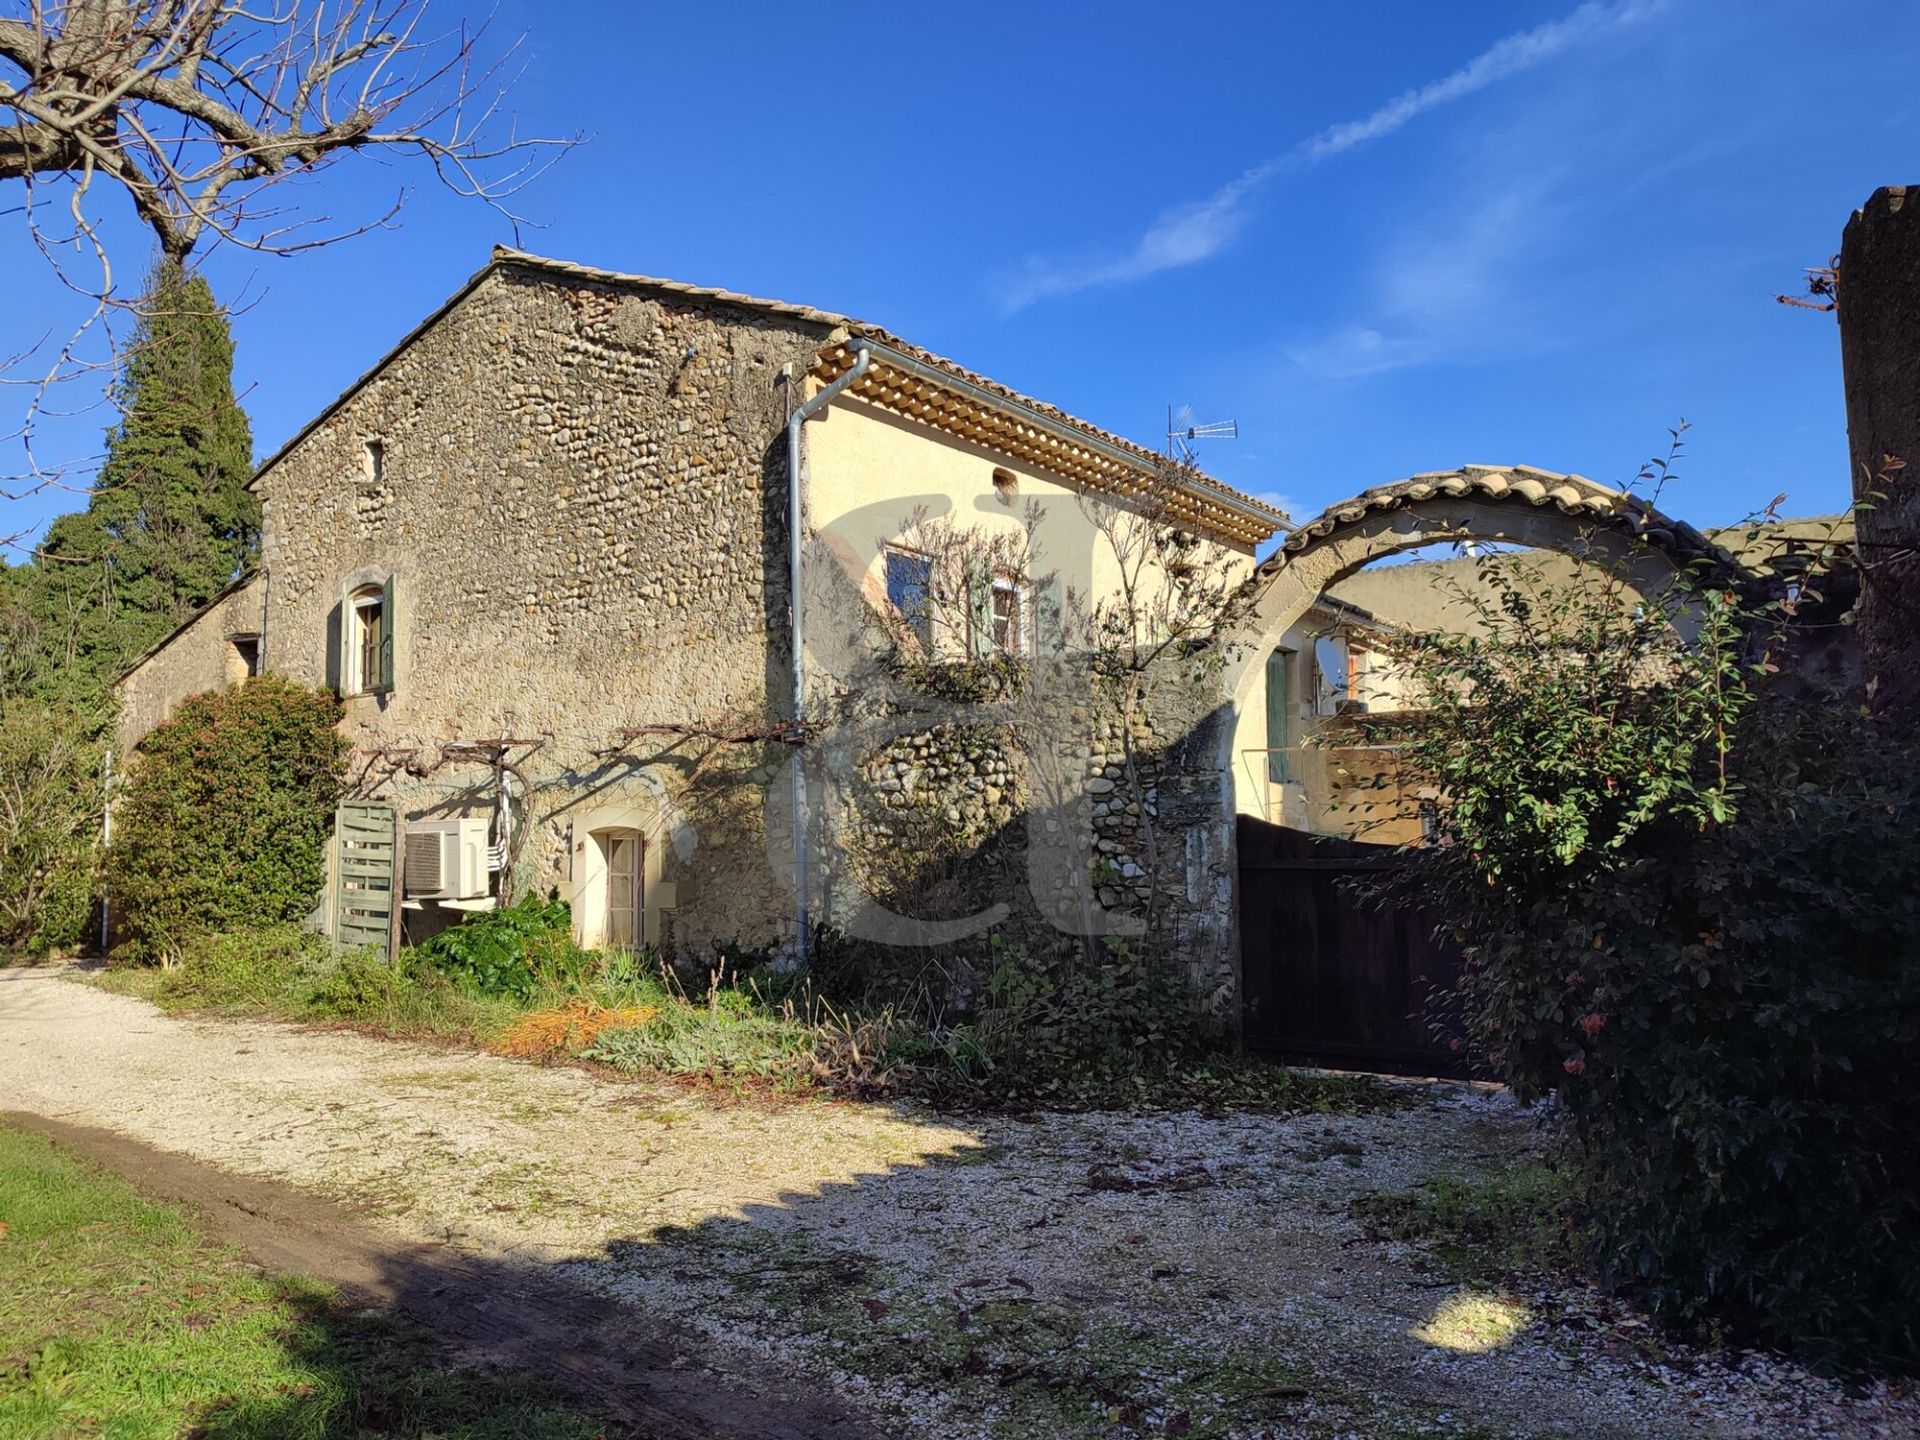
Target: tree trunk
(1879, 307)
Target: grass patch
(118, 1318)
(1502, 1223)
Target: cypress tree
(169, 523)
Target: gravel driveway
(1071, 1275)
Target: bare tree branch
(193, 111)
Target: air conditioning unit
(447, 859)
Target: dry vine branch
(785, 732)
(195, 110)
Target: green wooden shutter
(389, 622)
(363, 874)
(1277, 716)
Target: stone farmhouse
(545, 550)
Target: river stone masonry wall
(580, 498)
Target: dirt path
(1068, 1275)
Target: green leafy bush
(50, 803)
(226, 817)
(1690, 907)
(245, 971)
(510, 951)
(1732, 1019)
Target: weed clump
(570, 1029)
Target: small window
(910, 592)
(369, 641)
(1331, 666)
(1010, 616)
(245, 658)
(376, 469)
(1006, 485)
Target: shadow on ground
(523, 1334)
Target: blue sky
(1384, 237)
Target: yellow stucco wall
(869, 471)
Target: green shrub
(509, 952)
(50, 773)
(1690, 908)
(226, 818)
(1732, 1044)
(247, 971)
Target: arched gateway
(1511, 504)
(1517, 504)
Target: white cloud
(1188, 234)
(1446, 292)
(1507, 57)
(1355, 351)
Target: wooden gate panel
(364, 865)
(1328, 979)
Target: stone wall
(945, 823)
(198, 657)
(579, 497)
(1879, 299)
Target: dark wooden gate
(1327, 979)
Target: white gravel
(1065, 1275)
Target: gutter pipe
(796, 519)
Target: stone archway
(1518, 505)
(1515, 504)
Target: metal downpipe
(796, 520)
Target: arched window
(367, 636)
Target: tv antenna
(1183, 435)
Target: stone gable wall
(197, 658)
(581, 503)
